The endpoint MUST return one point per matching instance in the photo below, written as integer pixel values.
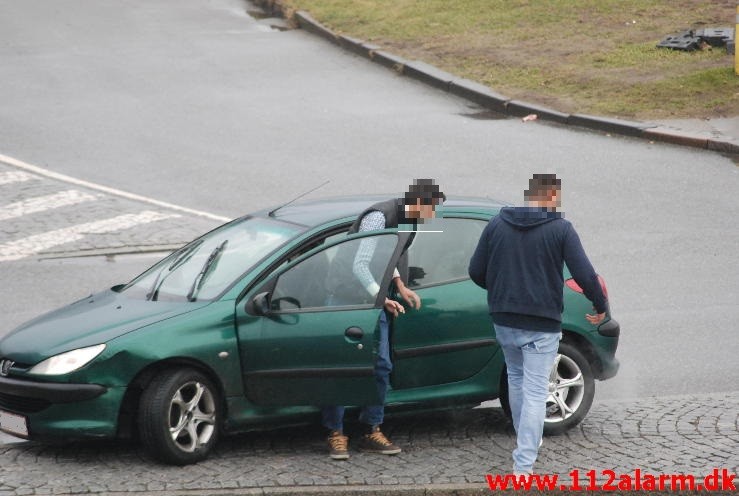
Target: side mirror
(415, 273)
(259, 305)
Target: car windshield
(204, 268)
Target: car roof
(320, 211)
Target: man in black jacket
(418, 204)
(519, 261)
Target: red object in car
(576, 287)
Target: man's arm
(407, 294)
(374, 221)
(584, 274)
(479, 262)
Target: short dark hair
(425, 190)
(540, 184)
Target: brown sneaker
(338, 446)
(376, 442)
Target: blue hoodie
(519, 260)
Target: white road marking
(42, 203)
(112, 191)
(31, 245)
(9, 177)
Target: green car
(237, 331)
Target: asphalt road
(202, 106)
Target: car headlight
(68, 361)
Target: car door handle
(354, 333)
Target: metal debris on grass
(698, 39)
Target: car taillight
(576, 287)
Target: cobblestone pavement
(442, 453)
(44, 217)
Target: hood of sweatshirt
(528, 217)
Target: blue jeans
(529, 357)
(333, 416)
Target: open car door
(308, 333)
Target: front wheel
(179, 416)
(571, 391)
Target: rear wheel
(179, 416)
(571, 391)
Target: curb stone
(479, 93)
(520, 109)
(428, 74)
(667, 135)
(485, 97)
(388, 60)
(722, 145)
(306, 21)
(353, 45)
(609, 125)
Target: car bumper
(62, 409)
(48, 392)
(610, 329)
(609, 332)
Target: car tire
(572, 389)
(179, 416)
(503, 393)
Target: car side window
(336, 276)
(438, 257)
(324, 239)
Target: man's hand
(393, 307)
(595, 319)
(408, 295)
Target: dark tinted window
(436, 257)
(335, 276)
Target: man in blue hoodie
(519, 261)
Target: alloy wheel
(566, 389)
(192, 416)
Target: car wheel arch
(586, 348)
(130, 403)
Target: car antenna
(272, 212)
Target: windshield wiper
(207, 266)
(183, 255)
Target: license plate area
(14, 424)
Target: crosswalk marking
(31, 245)
(26, 201)
(38, 171)
(9, 177)
(42, 203)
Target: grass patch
(590, 56)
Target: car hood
(89, 321)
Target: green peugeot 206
(237, 331)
